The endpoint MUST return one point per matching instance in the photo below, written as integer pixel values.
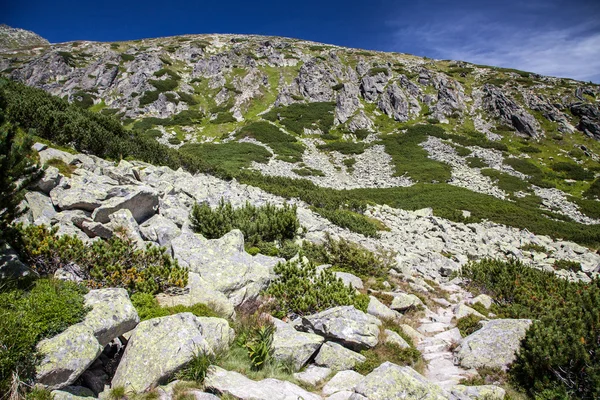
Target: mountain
(15, 38)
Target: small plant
(535, 247)
(469, 324)
(197, 368)
(567, 265)
(260, 347)
(118, 393)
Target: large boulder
(342, 381)
(224, 264)
(66, 356)
(289, 344)
(238, 386)
(41, 208)
(157, 349)
(389, 381)
(313, 375)
(345, 324)
(111, 314)
(142, 201)
(349, 279)
(83, 191)
(495, 345)
(403, 302)
(338, 358)
(217, 332)
(48, 181)
(380, 310)
(72, 393)
(160, 230)
(11, 266)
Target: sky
(550, 37)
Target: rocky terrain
(344, 119)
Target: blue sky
(552, 37)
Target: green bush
(476, 162)
(378, 70)
(149, 96)
(530, 149)
(300, 289)
(523, 166)
(223, 118)
(226, 159)
(297, 116)
(350, 257)
(285, 146)
(469, 324)
(560, 351)
(343, 147)
(351, 220)
(148, 307)
(164, 85)
(103, 263)
(195, 370)
(506, 182)
(258, 224)
(307, 171)
(387, 352)
(260, 348)
(45, 309)
(567, 265)
(126, 57)
(574, 171)
(593, 192)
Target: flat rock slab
(112, 314)
(238, 386)
(141, 201)
(337, 357)
(313, 375)
(342, 381)
(289, 344)
(495, 345)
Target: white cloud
(570, 52)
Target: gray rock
(347, 102)
(462, 310)
(289, 344)
(55, 154)
(380, 310)
(337, 357)
(343, 395)
(395, 338)
(141, 201)
(345, 324)
(404, 302)
(484, 300)
(372, 86)
(72, 393)
(217, 332)
(66, 356)
(313, 375)
(224, 264)
(48, 181)
(394, 103)
(41, 208)
(111, 314)
(503, 107)
(11, 266)
(342, 381)
(350, 279)
(484, 392)
(157, 349)
(495, 345)
(123, 222)
(389, 381)
(238, 386)
(160, 230)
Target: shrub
(260, 348)
(226, 159)
(300, 289)
(104, 263)
(350, 257)
(223, 118)
(307, 171)
(567, 265)
(469, 324)
(64, 168)
(196, 369)
(530, 149)
(17, 171)
(506, 182)
(45, 309)
(378, 70)
(267, 223)
(352, 221)
(164, 85)
(559, 352)
(296, 117)
(476, 162)
(593, 192)
(284, 145)
(572, 171)
(149, 96)
(343, 147)
(125, 57)
(535, 247)
(523, 166)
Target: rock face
(508, 111)
(495, 345)
(66, 356)
(346, 324)
(14, 38)
(389, 381)
(158, 348)
(142, 202)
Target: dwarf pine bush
(267, 223)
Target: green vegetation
(476, 162)
(523, 166)
(300, 289)
(126, 57)
(352, 221)
(62, 167)
(469, 324)
(569, 170)
(558, 357)
(258, 224)
(508, 183)
(307, 171)
(343, 147)
(296, 117)
(185, 117)
(104, 263)
(535, 247)
(349, 257)
(226, 159)
(388, 352)
(285, 146)
(567, 265)
(378, 70)
(43, 309)
(223, 118)
(147, 308)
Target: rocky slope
(14, 39)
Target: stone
(509, 112)
(338, 358)
(484, 300)
(160, 230)
(389, 381)
(487, 392)
(415, 335)
(49, 180)
(41, 208)
(343, 395)
(199, 291)
(313, 375)
(345, 324)
(66, 356)
(72, 393)
(217, 332)
(237, 386)
(380, 310)
(55, 154)
(342, 381)
(157, 349)
(11, 266)
(111, 314)
(350, 279)
(393, 337)
(462, 310)
(494, 345)
(224, 264)
(122, 221)
(199, 395)
(141, 201)
(403, 302)
(289, 344)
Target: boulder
(313, 375)
(343, 395)
(487, 392)
(484, 300)
(54, 154)
(66, 356)
(199, 291)
(415, 335)
(393, 337)
(160, 230)
(238, 386)
(389, 381)
(41, 208)
(289, 344)
(462, 310)
(224, 264)
(403, 301)
(345, 324)
(350, 279)
(494, 345)
(157, 349)
(82, 192)
(72, 393)
(124, 222)
(380, 310)
(342, 381)
(337, 357)
(10, 264)
(217, 332)
(111, 314)
(48, 181)
(142, 201)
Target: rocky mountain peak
(16, 38)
